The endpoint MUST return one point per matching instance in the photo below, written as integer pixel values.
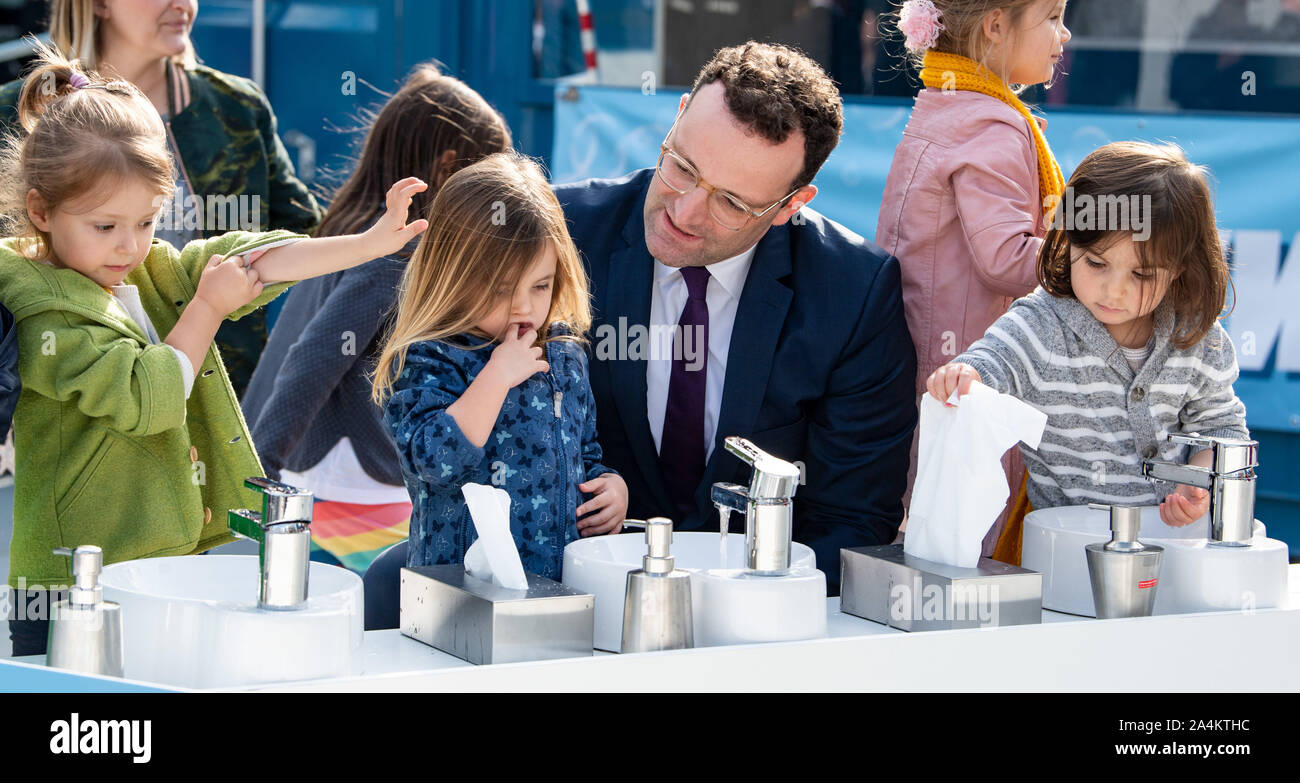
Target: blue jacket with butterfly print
(542, 446)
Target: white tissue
(493, 557)
(960, 485)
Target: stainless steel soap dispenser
(85, 630)
(657, 604)
(1124, 571)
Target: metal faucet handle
(1191, 439)
(267, 486)
(1231, 455)
(280, 502)
(758, 459)
(773, 477)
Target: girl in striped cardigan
(1120, 345)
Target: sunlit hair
(77, 141)
(963, 29)
(74, 30)
(1184, 237)
(432, 114)
(489, 224)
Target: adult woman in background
(230, 165)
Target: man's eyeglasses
(730, 212)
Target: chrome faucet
(282, 532)
(1230, 480)
(768, 507)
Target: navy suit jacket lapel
(627, 295)
(760, 316)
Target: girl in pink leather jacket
(966, 202)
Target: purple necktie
(681, 448)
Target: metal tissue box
(480, 622)
(884, 584)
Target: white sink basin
(1194, 576)
(728, 607)
(194, 622)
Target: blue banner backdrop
(1255, 162)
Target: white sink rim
(1195, 575)
(599, 565)
(209, 632)
(237, 573)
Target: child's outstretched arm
(225, 286)
(1215, 410)
(1000, 359)
(321, 256)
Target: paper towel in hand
(493, 557)
(960, 486)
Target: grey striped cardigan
(1102, 419)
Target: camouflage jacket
(229, 149)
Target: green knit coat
(229, 147)
(109, 450)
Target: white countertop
(1064, 653)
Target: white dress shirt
(667, 300)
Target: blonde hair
(74, 30)
(77, 139)
(488, 224)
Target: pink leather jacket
(962, 214)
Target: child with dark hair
(1121, 345)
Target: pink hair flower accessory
(78, 80)
(919, 21)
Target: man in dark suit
(808, 354)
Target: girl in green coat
(127, 432)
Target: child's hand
(228, 285)
(391, 232)
(516, 359)
(953, 375)
(607, 510)
(1184, 506)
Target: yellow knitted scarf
(952, 71)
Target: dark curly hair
(1184, 236)
(776, 90)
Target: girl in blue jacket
(483, 376)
